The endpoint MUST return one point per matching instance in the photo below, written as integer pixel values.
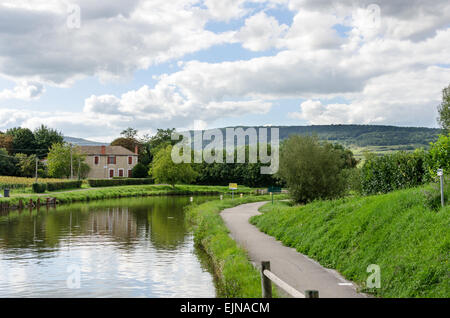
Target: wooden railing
(267, 277)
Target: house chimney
(136, 150)
(103, 150)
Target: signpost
(272, 189)
(440, 173)
(232, 187)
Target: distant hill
(83, 142)
(360, 135)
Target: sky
(90, 69)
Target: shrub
(312, 169)
(53, 186)
(39, 187)
(140, 171)
(118, 182)
(439, 156)
(394, 171)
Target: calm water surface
(138, 247)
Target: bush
(53, 186)
(399, 170)
(312, 169)
(439, 156)
(39, 187)
(118, 182)
(140, 171)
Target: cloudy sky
(214, 63)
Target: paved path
(296, 269)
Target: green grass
(397, 231)
(89, 194)
(237, 276)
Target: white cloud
(261, 32)
(23, 90)
(403, 98)
(387, 73)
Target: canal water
(134, 247)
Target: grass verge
(89, 194)
(238, 278)
(397, 231)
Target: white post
(440, 173)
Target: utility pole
(36, 170)
(71, 165)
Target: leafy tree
(26, 165)
(45, 137)
(164, 170)
(23, 140)
(349, 161)
(58, 161)
(149, 146)
(444, 109)
(139, 171)
(128, 143)
(7, 164)
(6, 142)
(439, 155)
(129, 133)
(311, 169)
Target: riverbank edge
(237, 276)
(90, 194)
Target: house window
(111, 173)
(96, 160)
(130, 160)
(112, 160)
(130, 173)
(120, 172)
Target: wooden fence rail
(267, 277)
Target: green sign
(274, 189)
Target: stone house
(109, 161)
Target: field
(22, 182)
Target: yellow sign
(232, 186)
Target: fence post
(311, 294)
(266, 284)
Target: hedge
(118, 182)
(39, 187)
(395, 171)
(53, 186)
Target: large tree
(312, 169)
(6, 142)
(45, 137)
(58, 161)
(444, 109)
(164, 170)
(128, 143)
(7, 164)
(23, 140)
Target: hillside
(83, 142)
(359, 138)
(397, 231)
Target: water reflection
(136, 247)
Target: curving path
(296, 269)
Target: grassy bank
(121, 192)
(237, 276)
(397, 231)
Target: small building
(109, 161)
